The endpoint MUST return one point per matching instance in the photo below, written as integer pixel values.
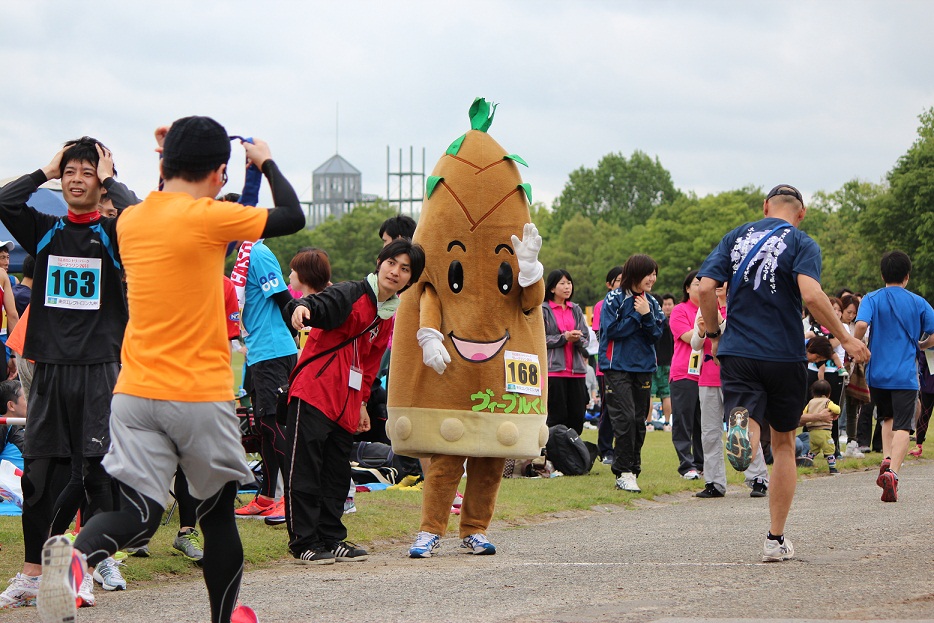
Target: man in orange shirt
(173, 402)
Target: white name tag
(356, 378)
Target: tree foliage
(619, 191)
(903, 217)
(352, 242)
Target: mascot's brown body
(469, 364)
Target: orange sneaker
(255, 509)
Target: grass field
(389, 519)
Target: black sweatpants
(318, 478)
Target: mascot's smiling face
(476, 201)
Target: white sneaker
(108, 575)
(691, 474)
(86, 592)
(852, 451)
(773, 551)
(627, 482)
(22, 591)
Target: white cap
(9, 245)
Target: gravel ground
(675, 559)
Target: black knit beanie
(196, 144)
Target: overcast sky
(726, 94)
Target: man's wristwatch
(713, 335)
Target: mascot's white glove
(434, 354)
(530, 269)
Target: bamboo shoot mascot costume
(469, 340)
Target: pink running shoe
(458, 502)
(243, 614)
(883, 467)
(889, 487)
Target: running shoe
(425, 544)
(458, 502)
(478, 544)
(773, 551)
(21, 592)
(883, 467)
(62, 574)
(709, 491)
(407, 481)
(691, 474)
(139, 552)
(738, 448)
(189, 543)
(255, 509)
(317, 556)
(627, 482)
(760, 488)
(85, 597)
(243, 614)
(107, 574)
(852, 451)
(916, 452)
(345, 551)
(889, 486)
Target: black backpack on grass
(571, 455)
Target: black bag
(568, 452)
(376, 462)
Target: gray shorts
(151, 438)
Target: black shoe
(345, 551)
(710, 491)
(804, 461)
(759, 489)
(317, 556)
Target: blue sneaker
(738, 448)
(478, 544)
(425, 544)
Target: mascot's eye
(505, 278)
(456, 277)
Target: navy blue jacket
(627, 338)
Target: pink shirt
(595, 325)
(682, 321)
(564, 318)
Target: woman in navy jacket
(630, 324)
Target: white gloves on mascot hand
(530, 269)
(434, 354)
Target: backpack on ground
(568, 452)
(376, 462)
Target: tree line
(629, 205)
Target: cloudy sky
(726, 94)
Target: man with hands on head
(173, 401)
(328, 392)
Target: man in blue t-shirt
(899, 319)
(271, 354)
(769, 265)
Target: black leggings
(187, 504)
(43, 481)
(273, 453)
(89, 488)
(138, 519)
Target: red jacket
(337, 314)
